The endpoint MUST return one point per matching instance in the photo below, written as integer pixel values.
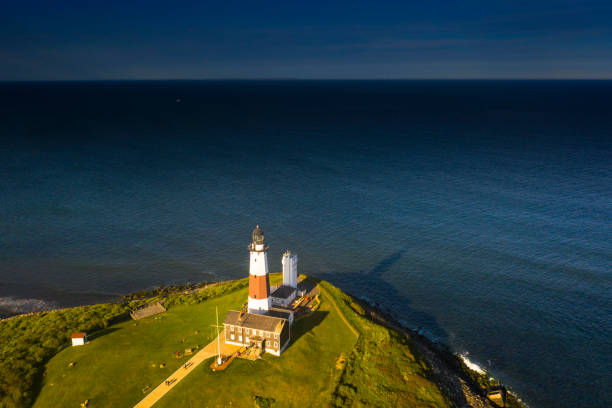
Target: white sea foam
(12, 306)
(472, 366)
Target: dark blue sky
(41, 40)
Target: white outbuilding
(289, 262)
(78, 339)
(285, 294)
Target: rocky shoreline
(465, 387)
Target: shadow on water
(371, 285)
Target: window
(240, 338)
(261, 333)
(246, 331)
(268, 334)
(275, 344)
(232, 328)
(246, 340)
(276, 335)
(268, 343)
(232, 337)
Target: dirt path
(207, 352)
(331, 299)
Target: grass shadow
(306, 324)
(101, 332)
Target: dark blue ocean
(480, 211)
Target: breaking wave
(471, 365)
(12, 306)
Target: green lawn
(117, 363)
(111, 371)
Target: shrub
(263, 402)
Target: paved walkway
(207, 352)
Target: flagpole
(218, 335)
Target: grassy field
(325, 365)
(28, 341)
(118, 362)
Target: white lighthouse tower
(259, 280)
(290, 269)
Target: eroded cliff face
(455, 382)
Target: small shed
(79, 338)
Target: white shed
(78, 339)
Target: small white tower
(290, 269)
(259, 280)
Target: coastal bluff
(344, 354)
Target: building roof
(78, 335)
(283, 292)
(278, 312)
(255, 321)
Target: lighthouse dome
(258, 236)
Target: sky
(96, 40)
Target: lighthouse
(289, 262)
(266, 326)
(259, 280)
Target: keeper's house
(268, 333)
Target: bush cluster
(165, 291)
(210, 291)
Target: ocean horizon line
(262, 79)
